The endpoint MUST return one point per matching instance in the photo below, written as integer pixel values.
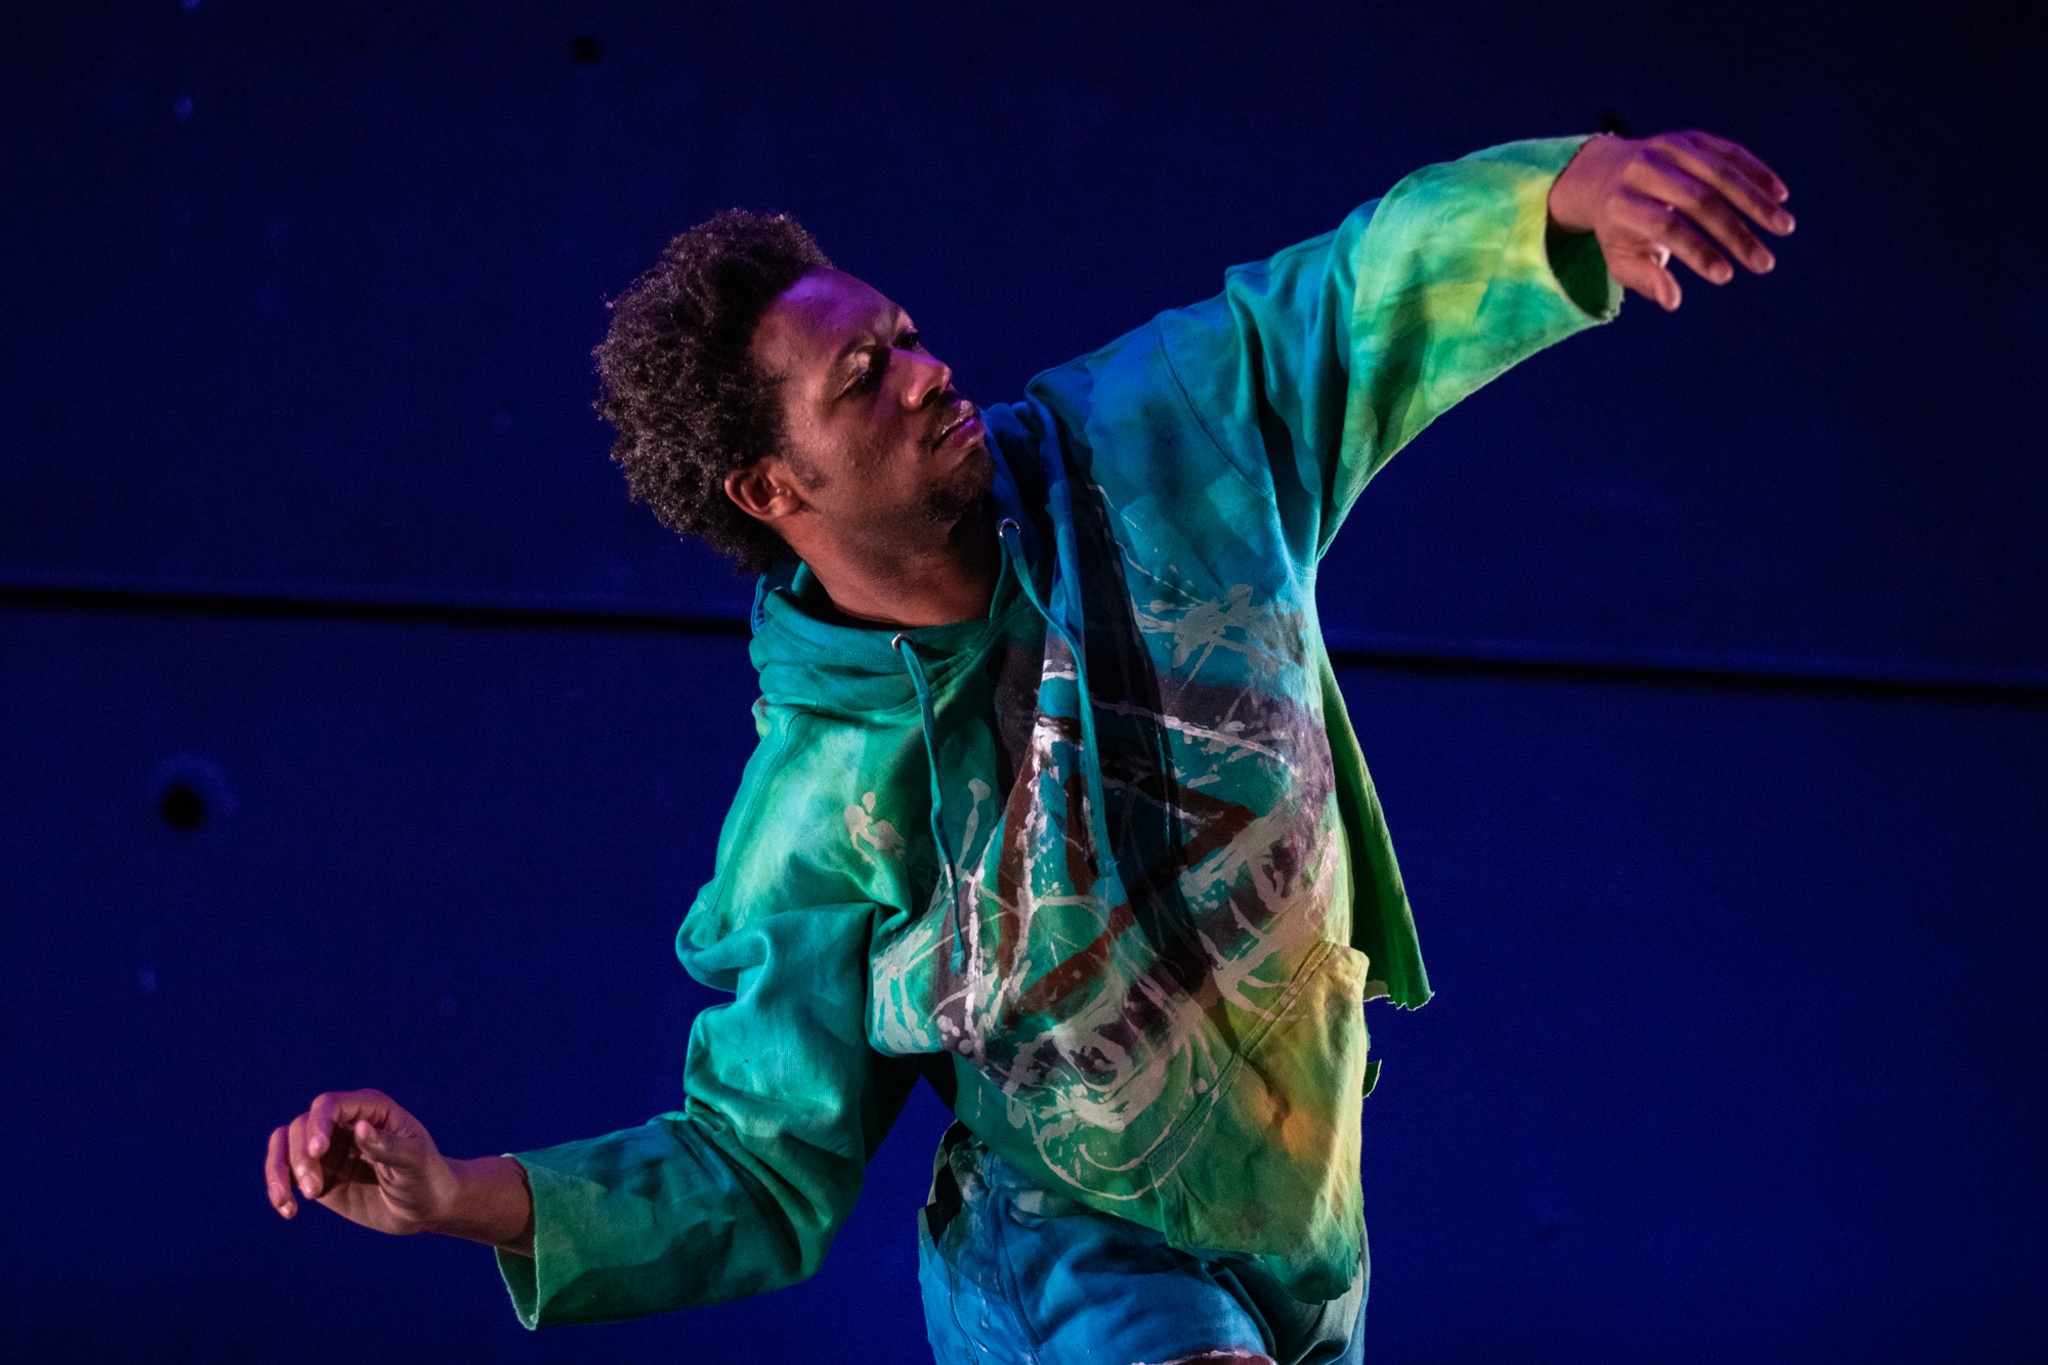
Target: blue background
(1703, 662)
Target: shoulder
(818, 821)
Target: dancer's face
(879, 443)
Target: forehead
(812, 322)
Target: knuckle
(1692, 196)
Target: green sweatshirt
(1105, 865)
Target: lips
(956, 422)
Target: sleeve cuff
(523, 1275)
(582, 1236)
(1580, 269)
(1572, 262)
(522, 1282)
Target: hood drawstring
(1012, 538)
(923, 688)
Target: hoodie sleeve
(743, 1190)
(1312, 368)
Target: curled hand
(360, 1154)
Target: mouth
(962, 423)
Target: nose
(931, 379)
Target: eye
(868, 375)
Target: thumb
(394, 1146)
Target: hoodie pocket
(1270, 1166)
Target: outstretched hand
(1689, 195)
(361, 1155)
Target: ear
(765, 490)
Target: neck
(895, 581)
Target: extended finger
(1721, 158)
(1661, 225)
(1662, 178)
(277, 1174)
(1751, 165)
(1754, 187)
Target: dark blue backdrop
(303, 512)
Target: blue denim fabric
(1014, 1274)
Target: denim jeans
(1014, 1274)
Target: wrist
(1575, 195)
(488, 1201)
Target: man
(1056, 804)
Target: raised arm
(1313, 367)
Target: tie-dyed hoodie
(1105, 865)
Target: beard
(953, 498)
